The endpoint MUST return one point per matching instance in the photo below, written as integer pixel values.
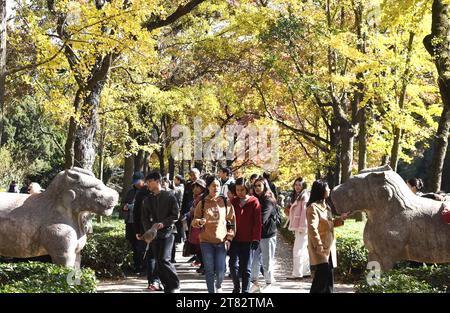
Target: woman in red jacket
(248, 235)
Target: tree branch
(181, 11)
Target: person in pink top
(297, 223)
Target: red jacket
(248, 220)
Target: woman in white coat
(297, 223)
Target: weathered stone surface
(400, 225)
(54, 222)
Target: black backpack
(276, 215)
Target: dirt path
(191, 281)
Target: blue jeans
(241, 256)
(214, 255)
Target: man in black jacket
(154, 283)
(129, 202)
(162, 209)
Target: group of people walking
(229, 216)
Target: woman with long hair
(268, 241)
(297, 223)
(321, 240)
(214, 215)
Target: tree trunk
(362, 157)
(181, 167)
(139, 161)
(362, 141)
(198, 164)
(101, 157)
(162, 166)
(2, 64)
(70, 141)
(85, 145)
(101, 152)
(171, 167)
(439, 151)
(127, 174)
(384, 160)
(398, 131)
(334, 143)
(146, 156)
(438, 46)
(347, 140)
(395, 148)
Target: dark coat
(160, 208)
(188, 197)
(269, 226)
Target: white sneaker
(267, 287)
(219, 290)
(255, 288)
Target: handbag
(194, 233)
(194, 236)
(189, 249)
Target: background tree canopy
(100, 84)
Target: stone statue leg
(60, 242)
(67, 259)
(386, 262)
(78, 261)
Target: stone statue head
(78, 190)
(371, 189)
(352, 195)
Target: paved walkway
(191, 281)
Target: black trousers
(323, 281)
(179, 237)
(152, 269)
(138, 247)
(162, 250)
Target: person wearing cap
(193, 234)
(130, 229)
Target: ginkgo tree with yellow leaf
(93, 37)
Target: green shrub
(352, 259)
(286, 233)
(36, 277)
(409, 280)
(351, 253)
(107, 251)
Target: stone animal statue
(54, 222)
(400, 225)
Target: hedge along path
(191, 281)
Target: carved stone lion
(54, 222)
(400, 225)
